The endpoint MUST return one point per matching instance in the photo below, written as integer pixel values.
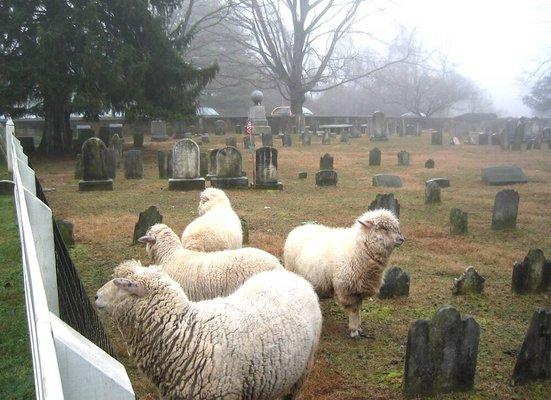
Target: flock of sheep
(209, 319)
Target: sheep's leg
(354, 320)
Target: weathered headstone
(469, 282)
(505, 209)
(379, 126)
(482, 138)
(204, 164)
(133, 164)
(164, 161)
(186, 173)
(286, 140)
(503, 175)
(432, 193)
(178, 130)
(158, 131)
(442, 182)
(84, 132)
(116, 129)
(219, 127)
(533, 274)
(436, 138)
(212, 163)
(534, 359)
(94, 173)
(429, 163)
(266, 169)
(387, 180)
(267, 139)
(78, 167)
(345, 137)
(228, 170)
(231, 141)
(249, 141)
(306, 139)
(326, 161)
(375, 157)
(386, 201)
(116, 143)
(302, 175)
(66, 228)
(326, 137)
(395, 283)
(137, 138)
(459, 221)
(110, 157)
(326, 177)
(146, 220)
(441, 354)
(403, 158)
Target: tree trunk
(297, 101)
(57, 135)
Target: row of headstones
(403, 158)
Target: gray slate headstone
(326, 161)
(133, 164)
(326, 137)
(137, 138)
(403, 158)
(228, 163)
(441, 182)
(326, 177)
(116, 143)
(111, 163)
(436, 138)
(266, 169)
(441, 354)
(375, 157)
(432, 193)
(164, 162)
(429, 163)
(395, 283)
(533, 274)
(78, 167)
(459, 221)
(505, 211)
(469, 282)
(93, 160)
(146, 220)
(503, 175)
(286, 140)
(305, 138)
(387, 180)
(219, 127)
(267, 139)
(386, 201)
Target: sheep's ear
(147, 239)
(369, 225)
(132, 287)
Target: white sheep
(347, 262)
(257, 343)
(217, 228)
(204, 275)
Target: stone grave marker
(403, 158)
(116, 129)
(186, 173)
(146, 220)
(432, 193)
(78, 167)
(267, 139)
(137, 138)
(386, 201)
(249, 142)
(238, 129)
(395, 283)
(533, 274)
(116, 143)
(326, 177)
(84, 132)
(495, 139)
(205, 139)
(436, 138)
(94, 172)
(469, 282)
(164, 162)
(306, 139)
(482, 138)
(286, 140)
(326, 137)
(245, 229)
(302, 175)
(212, 163)
(387, 180)
(133, 164)
(231, 141)
(229, 170)
(104, 134)
(505, 209)
(503, 175)
(429, 163)
(204, 164)
(379, 126)
(158, 131)
(345, 137)
(441, 354)
(442, 182)
(326, 161)
(375, 157)
(219, 127)
(266, 169)
(178, 130)
(459, 221)
(111, 163)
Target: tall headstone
(158, 131)
(436, 138)
(164, 162)
(379, 126)
(403, 158)
(386, 201)
(111, 159)
(229, 170)
(533, 274)
(178, 130)
(84, 132)
(395, 283)
(266, 169)
(432, 193)
(505, 211)
(133, 164)
(326, 161)
(94, 173)
(375, 157)
(137, 138)
(78, 167)
(326, 177)
(459, 221)
(469, 282)
(186, 173)
(257, 114)
(204, 164)
(219, 127)
(212, 163)
(267, 139)
(146, 220)
(116, 143)
(441, 354)
(326, 137)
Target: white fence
(66, 364)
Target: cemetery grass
(344, 368)
(16, 374)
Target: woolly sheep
(257, 343)
(217, 228)
(204, 275)
(347, 262)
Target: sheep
(204, 275)
(217, 228)
(257, 343)
(347, 262)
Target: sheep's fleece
(347, 262)
(257, 343)
(205, 275)
(218, 227)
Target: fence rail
(66, 365)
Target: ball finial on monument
(257, 96)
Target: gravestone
(345, 137)
(482, 138)
(534, 359)
(146, 220)
(326, 177)
(111, 163)
(533, 274)
(503, 175)
(266, 169)
(302, 175)
(387, 180)
(231, 141)
(245, 229)
(326, 137)
(94, 172)
(84, 132)
(219, 127)
(403, 158)
(379, 126)
(66, 229)
(267, 139)
(395, 283)
(116, 143)
(469, 282)
(375, 157)
(178, 130)
(78, 167)
(164, 162)
(137, 139)
(229, 170)
(104, 134)
(133, 164)
(505, 210)
(186, 173)
(459, 221)
(158, 131)
(432, 193)
(436, 138)
(326, 161)
(429, 163)
(306, 139)
(441, 182)
(441, 354)
(386, 201)
(257, 114)
(286, 140)
(204, 164)
(212, 163)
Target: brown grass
(345, 369)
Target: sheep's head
(211, 198)
(158, 240)
(132, 283)
(380, 232)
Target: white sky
(495, 43)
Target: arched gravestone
(505, 211)
(219, 127)
(403, 158)
(186, 173)
(133, 164)
(326, 177)
(212, 163)
(158, 131)
(326, 161)
(375, 157)
(266, 169)
(229, 167)
(379, 126)
(386, 201)
(116, 143)
(94, 171)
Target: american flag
(249, 127)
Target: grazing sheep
(257, 343)
(204, 275)
(347, 262)
(217, 228)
